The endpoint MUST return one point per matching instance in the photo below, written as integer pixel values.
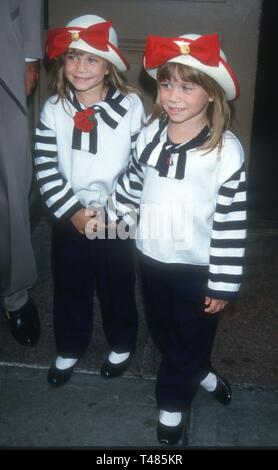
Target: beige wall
(236, 21)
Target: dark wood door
(263, 169)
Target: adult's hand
(31, 76)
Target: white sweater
(70, 178)
(199, 219)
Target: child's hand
(214, 305)
(96, 223)
(80, 220)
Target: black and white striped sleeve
(228, 238)
(124, 203)
(55, 190)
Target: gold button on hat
(75, 36)
(185, 49)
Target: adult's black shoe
(57, 376)
(25, 324)
(110, 370)
(171, 435)
(222, 392)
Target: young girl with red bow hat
(187, 178)
(83, 143)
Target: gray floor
(93, 412)
(246, 346)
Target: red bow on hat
(159, 50)
(59, 39)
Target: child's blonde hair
(59, 84)
(219, 113)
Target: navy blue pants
(175, 296)
(80, 266)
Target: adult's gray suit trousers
(17, 262)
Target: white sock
(64, 363)
(117, 358)
(209, 383)
(170, 419)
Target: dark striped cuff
(221, 294)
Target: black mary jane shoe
(25, 324)
(169, 435)
(57, 376)
(110, 370)
(222, 392)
